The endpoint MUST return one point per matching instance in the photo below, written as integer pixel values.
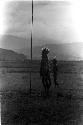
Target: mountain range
(66, 51)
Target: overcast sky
(52, 21)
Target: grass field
(62, 107)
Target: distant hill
(68, 51)
(9, 55)
(13, 42)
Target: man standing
(44, 70)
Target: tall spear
(31, 45)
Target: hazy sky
(53, 21)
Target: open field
(64, 108)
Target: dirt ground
(63, 106)
(21, 109)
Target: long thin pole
(31, 46)
(31, 30)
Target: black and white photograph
(41, 62)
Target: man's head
(45, 50)
(54, 60)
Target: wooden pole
(31, 47)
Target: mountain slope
(9, 55)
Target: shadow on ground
(18, 108)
